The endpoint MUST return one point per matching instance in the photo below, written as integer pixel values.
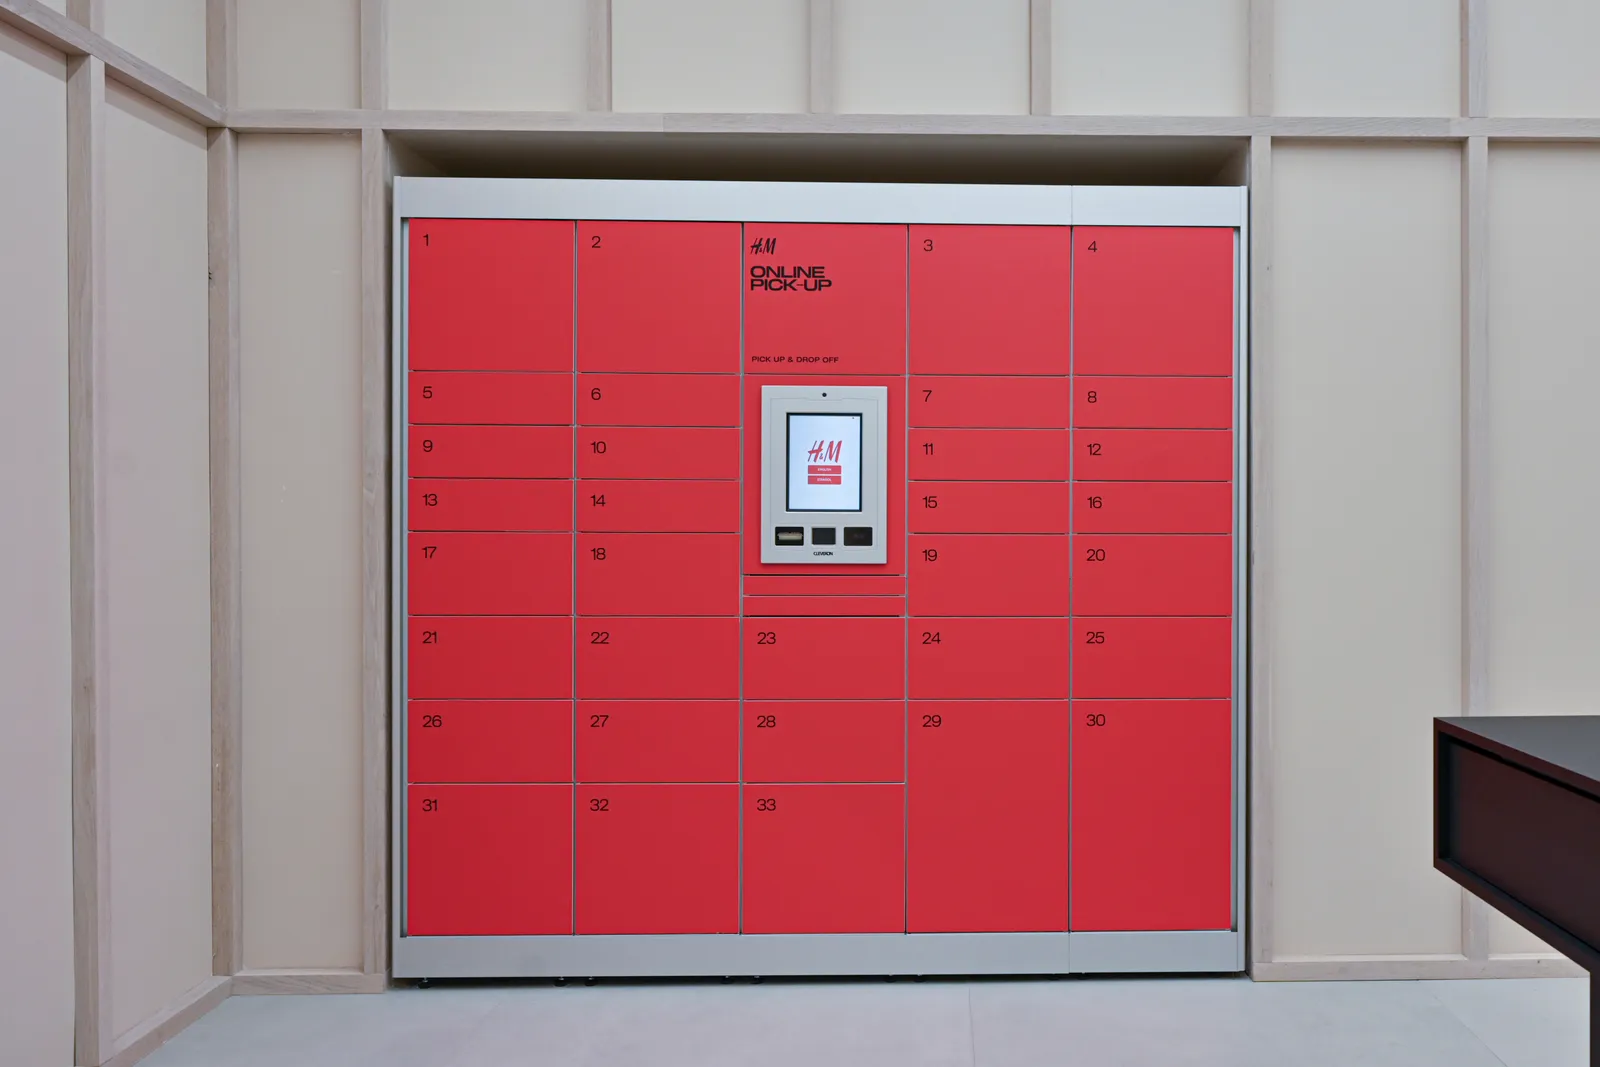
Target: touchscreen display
(824, 462)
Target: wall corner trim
(170, 1021)
(271, 982)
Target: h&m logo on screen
(822, 463)
(784, 279)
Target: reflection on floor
(1094, 1022)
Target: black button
(823, 535)
(789, 535)
(858, 535)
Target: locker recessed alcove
(963, 699)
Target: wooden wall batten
(86, 347)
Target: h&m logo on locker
(784, 279)
(823, 466)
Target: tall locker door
(658, 859)
(824, 859)
(488, 859)
(489, 294)
(987, 826)
(1152, 815)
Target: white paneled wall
(298, 53)
(35, 628)
(1366, 57)
(957, 57)
(301, 488)
(168, 33)
(1544, 376)
(1364, 455)
(1365, 518)
(489, 54)
(1150, 57)
(709, 55)
(1542, 57)
(157, 537)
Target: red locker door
(490, 452)
(1152, 455)
(780, 606)
(488, 657)
(824, 299)
(824, 859)
(488, 860)
(1153, 508)
(642, 506)
(989, 455)
(988, 659)
(830, 583)
(974, 574)
(489, 741)
(658, 659)
(658, 296)
(658, 574)
(1152, 815)
(489, 574)
(658, 399)
(649, 452)
(658, 859)
(824, 741)
(489, 504)
(990, 299)
(658, 741)
(990, 507)
(1121, 574)
(824, 659)
(988, 817)
(1153, 403)
(474, 398)
(1151, 658)
(1152, 300)
(986, 403)
(489, 294)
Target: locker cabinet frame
(650, 955)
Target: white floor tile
(776, 1024)
(400, 1028)
(1158, 1022)
(1541, 1022)
(1132, 1022)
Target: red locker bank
(817, 579)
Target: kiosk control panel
(823, 483)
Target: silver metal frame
(1203, 951)
(872, 402)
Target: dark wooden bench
(1516, 820)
